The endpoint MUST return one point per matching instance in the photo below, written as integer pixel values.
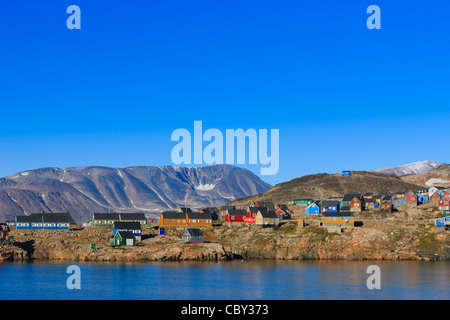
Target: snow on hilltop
(411, 168)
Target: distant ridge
(437, 177)
(324, 186)
(86, 190)
(411, 168)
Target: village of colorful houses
(335, 215)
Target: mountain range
(86, 190)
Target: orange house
(173, 218)
(356, 204)
(199, 219)
(185, 219)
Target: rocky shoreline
(376, 240)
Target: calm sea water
(250, 280)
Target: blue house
(330, 206)
(399, 201)
(132, 226)
(425, 199)
(44, 221)
(442, 222)
(192, 235)
(346, 173)
(313, 208)
(419, 199)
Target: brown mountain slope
(323, 186)
(436, 177)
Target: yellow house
(267, 218)
(339, 219)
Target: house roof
(199, 215)
(185, 210)
(173, 215)
(125, 234)
(237, 212)
(351, 195)
(55, 217)
(283, 207)
(330, 203)
(269, 205)
(338, 214)
(30, 218)
(106, 216)
(269, 214)
(132, 225)
(195, 232)
(223, 208)
(132, 216)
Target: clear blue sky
(110, 94)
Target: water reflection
(249, 280)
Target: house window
(232, 217)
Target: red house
(411, 199)
(4, 230)
(435, 197)
(235, 215)
(444, 204)
(447, 194)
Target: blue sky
(111, 94)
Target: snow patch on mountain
(411, 168)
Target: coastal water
(249, 280)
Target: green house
(303, 201)
(446, 213)
(123, 238)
